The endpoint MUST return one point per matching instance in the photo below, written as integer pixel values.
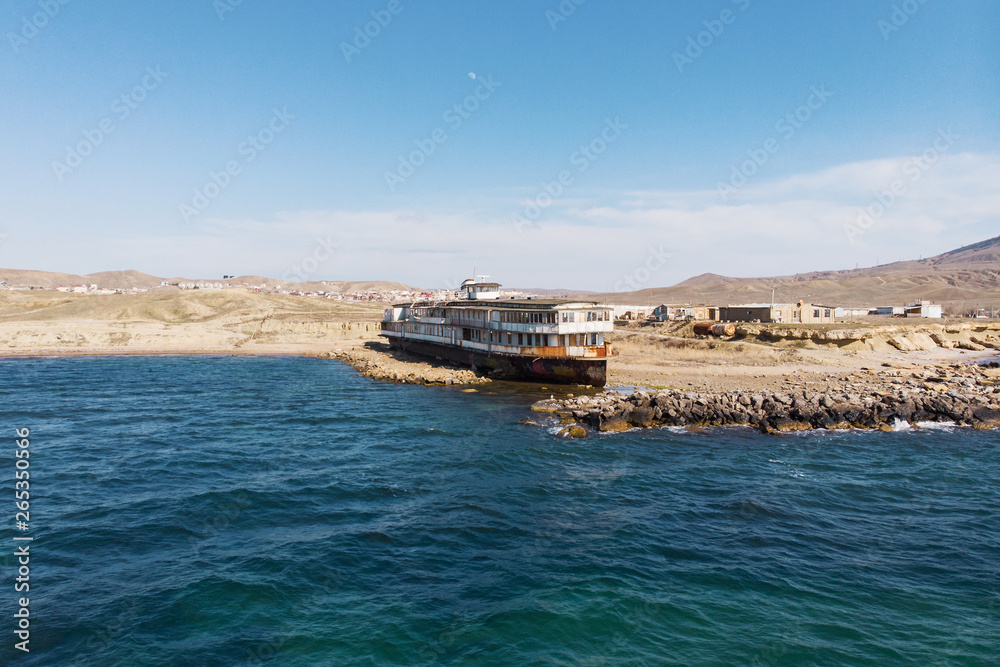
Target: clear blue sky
(886, 80)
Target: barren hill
(229, 321)
(958, 279)
(174, 307)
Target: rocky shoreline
(378, 363)
(963, 394)
(971, 336)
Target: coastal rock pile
(962, 335)
(379, 365)
(964, 403)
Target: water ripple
(235, 510)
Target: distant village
(381, 296)
(778, 313)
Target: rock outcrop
(964, 395)
(383, 366)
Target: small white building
(851, 313)
(629, 312)
(924, 309)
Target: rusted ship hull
(556, 370)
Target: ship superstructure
(556, 340)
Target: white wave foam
(937, 426)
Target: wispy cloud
(591, 239)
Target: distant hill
(957, 279)
(129, 279)
(121, 279)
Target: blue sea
(283, 511)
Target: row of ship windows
(591, 316)
(527, 318)
(552, 318)
(516, 317)
(530, 340)
(482, 336)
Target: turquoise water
(233, 510)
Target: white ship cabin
(478, 290)
(535, 327)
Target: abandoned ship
(550, 340)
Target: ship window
(520, 339)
